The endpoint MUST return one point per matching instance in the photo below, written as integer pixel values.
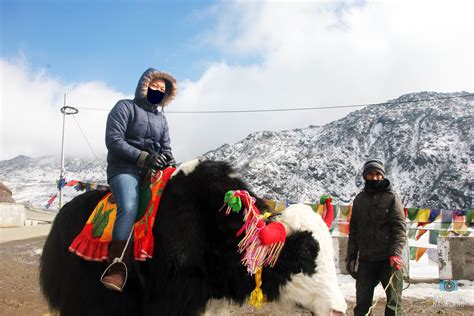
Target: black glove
(170, 160)
(152, 161)
(351, 268)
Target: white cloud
(31, 121)
(304, 54)
(378, 50)
(322, 54)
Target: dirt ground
(20, 293)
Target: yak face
(313, 283)
(305, 272)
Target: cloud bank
(273, 55)
(31, 121)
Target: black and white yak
(196, 266)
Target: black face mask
(154, 96)
(373, 185)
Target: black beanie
(373, 165)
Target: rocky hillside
(425, 145)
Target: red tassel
(329, 217)
(272, 233)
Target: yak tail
(50, 267)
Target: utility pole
(65, 110)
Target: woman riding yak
(137, 139)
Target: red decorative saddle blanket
(92, 243)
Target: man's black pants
(370, 273)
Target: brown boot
(115, 276)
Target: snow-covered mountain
(426, 145)
(33, 180)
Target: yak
(196, 265)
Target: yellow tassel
(320, 209)
(257, 297)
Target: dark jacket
(136, 125)
(377, 225)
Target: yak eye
(305, 250)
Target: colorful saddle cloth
(92, 243)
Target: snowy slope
(425, 145)
(33, 180)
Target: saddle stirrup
(117, 261)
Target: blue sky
(108, 40)
(226, 55)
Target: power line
(300, 108)
(88, 143)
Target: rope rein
(394, 289)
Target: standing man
(376, 240)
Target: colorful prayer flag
(423, 216)
(346, 211)
(459, 224)
(60, 183)
(469, 218)
(71, 183)
(413, 253)
(51, 200)
(343, 228)
(459, 212)
(446, 216)
(412, 213)
(421, 232)
(433, 215)
(420, 252)
(434, 237)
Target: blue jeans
(125, 188)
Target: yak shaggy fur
(195, 254)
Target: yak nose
(336, 313)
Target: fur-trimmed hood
(142, 87)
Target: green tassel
(234, 202)
(323, 198)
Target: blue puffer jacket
(136, 125)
